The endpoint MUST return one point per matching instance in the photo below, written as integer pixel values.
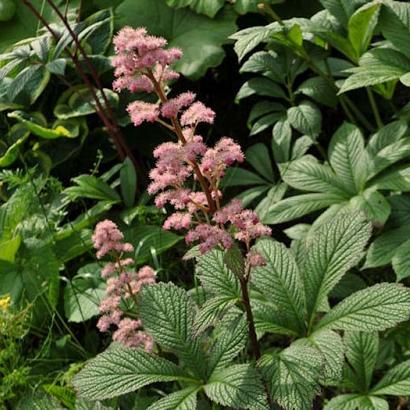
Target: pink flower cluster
(142, 64)
(122, 287)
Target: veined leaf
(184, 399)
(258, 156)
(318, 89)
(121, 370)
(362, 350)
(168, 316)
(261, 62)
(396, 179)
(355, 402)
(395, 382)
(401, 261)
(280, 281)
(207, 7)
(237, 386)
(375, 308)
(260, 86)
(306, 118)
(348, 157)
(341, 9)
(292, 376)
(216, 277)
(297, 206)
(332, 250)
(89, 186)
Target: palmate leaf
(229, 343)
(280, 281)
(292, 376)
(237, 386)
(375, 308)
(297, 206)
(356, 402)
(395, 382)
(332, 250)
(330, 346)
(362, 350)
(121, 370)
(180, 400)
(215, 277)
(168, 315)
(348, 157)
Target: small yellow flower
(5, 302)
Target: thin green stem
(375, 109)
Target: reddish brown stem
(179, 133)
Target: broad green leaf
(251, 194)
(340, 9)
(292, 376)
(249, 38)
(373, 204)
(329, 345)
(184, 399)
(306, 118)
(377, 66)
(280, 281)
(281, 140)
(258, 156)
(168, 315)
(355, 402)
(128, 178)
(298, 206)
(57, 66)
(375, 308)
(265, 122)
(238, 177)
(247, 6)
(332, 250)
(207, 7)
(84, 293)
(19, 134)
(396, 179)
(395, 382)
(307, 174)
(301, 146)
(264, 62)
(362, 350)
(348, 157)
(318, 89)
(78, 101)
(401, 261)
(384, 247)
(361, 26)
(121, 370)
(262, 108)
(228, 345)
(237, 386)
(215, 277)
(9, 248)
(260, 86)
(273, 196)
(200, 37)
(100, 38)
(38, 401)
(89, 186)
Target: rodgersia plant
(251, 291)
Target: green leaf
(375, 308)
(38, 401)
(228, 345)
(401, 261)
(329, 345)
(84, 293)
(348, 157)
(215, 277)
(332, 250)
(19, 134)
(247, 6)
(9, 248)
(264, 62)
(281, 140)
(258, 156)
(385, 136)
(318, 89)
(280, 281)
(306, 118)
(128, 178)
(78, 101)
(239, 177)
(121, 370)
(298, 206)
(260, 86)
(88, 186)
(100, 38)
(265, 122)
(396, 179)
(168, 315)
(207, 7)
(361, 26)
(356, 401)
(262, 108)
(377, 66)
(237, 386)
(249, 38)
(341, 9)
(395, 382)
(307, 174)
(184, 399)
(292, 376)
(362, 350)
(394, 25)
(273, 196)
(200, 37)
(57, 66)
